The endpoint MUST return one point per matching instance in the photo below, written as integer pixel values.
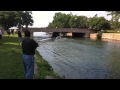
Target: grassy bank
(44, 68)
(112, 31)
(11, 66)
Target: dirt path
(36, 70)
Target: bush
(99, 35)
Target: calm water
(82, 58)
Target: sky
(42, 18)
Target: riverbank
(11, 66)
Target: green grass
(11, 66)
(112, 31)
(44, 68)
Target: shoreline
(43, 70)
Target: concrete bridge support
(87, 35)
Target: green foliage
(115, 24)
(82, 22)
(44, 68)
(60, 20)
(113, 31)
(99, 23)
(99, 35)
(8, 18)
(15, 18)
(27, 18)
(11, 66)
(73, 22)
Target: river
(82, 58)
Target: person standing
(28, 49)
(8, 32)
(0, 34)
(19, 36)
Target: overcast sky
(42, 18)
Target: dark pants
(0, 36)
(28, 62)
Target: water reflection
(75, 58)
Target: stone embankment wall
(113, 36)
(69, 34)
(93, 36)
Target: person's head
(27, 33)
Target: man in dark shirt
(28, 49)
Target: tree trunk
(26, 26)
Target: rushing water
(82, 58)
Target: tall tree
(99, 23)
(8, 18)
(82, 22)
(27, 18)
(115, 19)
(15, 18)
(60, 20)
(73, 22)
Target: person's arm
(35, 44)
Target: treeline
(15, 18)
(62, 20)
(115, 20)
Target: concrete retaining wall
(69, 34)
(93, 36)
(113, 36)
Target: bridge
(74, 31)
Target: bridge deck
(61, 30)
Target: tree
(8, 18)
(99, 23)
(82, 22)
(15, 18)
(78, 22)
(60, 20)
(73, 22)
(27, 18)
(115, 19)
